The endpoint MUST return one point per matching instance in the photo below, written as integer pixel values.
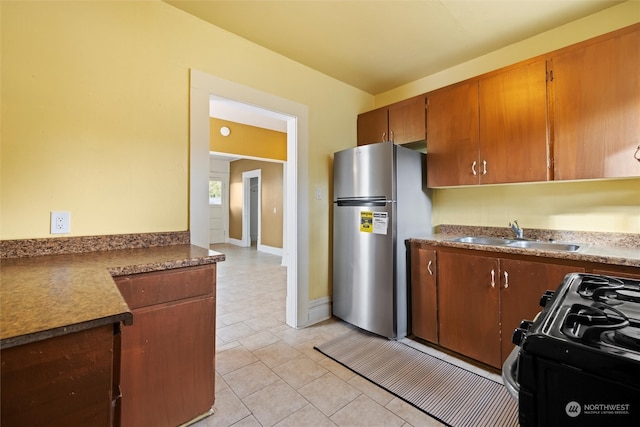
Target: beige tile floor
(268, 374)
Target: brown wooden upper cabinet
(595, 89)
(402, 123)
(513, 125)
(570, 114)
(452, 135)
(489, 130)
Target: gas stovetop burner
(609, 290)
(629, 337)
(587, 322)
(589, 281)
(628, 295)
(625, 338)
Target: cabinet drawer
(145, 289)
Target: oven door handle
(509, 369)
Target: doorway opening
(251, 212)
(295, 212)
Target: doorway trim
(247, 208)
(296, 250)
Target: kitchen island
(60, 318)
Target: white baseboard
(262, 248)
(237, 242)
(270, 250)
(319, 310)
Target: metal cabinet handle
(493, 278)
(391, 135)
(473, 168)
(506, 280)
(384, 136)
(484, 167)
(429, 268)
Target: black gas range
(578, 362)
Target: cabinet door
(407, 121)
(522, 285)
(167, 372)
(513, 125)
(61, 381)
(167, 363)
(373, 126)
(452, 135)
(596, 109)
(468, 303)
(424, 304)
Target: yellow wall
(271, 208)
(95, 116)
(251, 141)
(248, 140)
(610, 206)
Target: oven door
(510, 372)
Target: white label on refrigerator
(380, 222)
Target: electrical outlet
(60, 222)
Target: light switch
(318, 193)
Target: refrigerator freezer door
(363, 276)
(364, 171)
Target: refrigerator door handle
(363, 202)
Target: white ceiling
(233, 111)
(380, 45)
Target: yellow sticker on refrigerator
(366, 222)
(374, 222)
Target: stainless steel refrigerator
(380, 200)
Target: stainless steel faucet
(516, 229)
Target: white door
(218, 208)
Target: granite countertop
(50, 295)
(606, 248)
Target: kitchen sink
(544, 246)
(517, 243)
(481, 240)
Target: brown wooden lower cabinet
(61, 381)
(611, 272)
(474, 300)
(167, 370)
(482, 299)
(469, 305)
(522, 283)
(424, 303)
